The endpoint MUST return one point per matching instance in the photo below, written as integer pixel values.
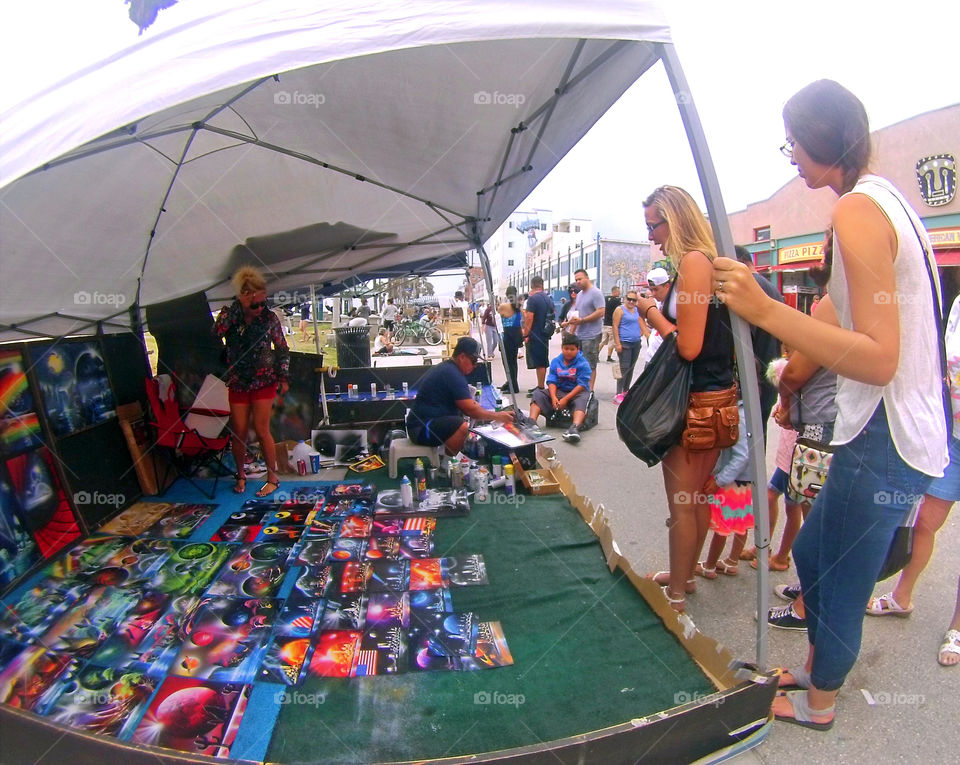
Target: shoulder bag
(653, 413)
(809, 465)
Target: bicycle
(413, 330)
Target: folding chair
(191, 440)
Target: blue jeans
(844, 541)
(628, 360)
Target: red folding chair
(188, 441)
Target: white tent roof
(320, 143)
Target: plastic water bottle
(301, 457)
(406, 492)
(465, 472)
(406, 389)
(510, 487)
(483, 484)
(373, 390)
(420, 479)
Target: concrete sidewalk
(899, 704)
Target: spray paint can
(483, 485)
(510, 487)
(373, 390)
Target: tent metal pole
(488, 278)
(750, 388)
(313, 318)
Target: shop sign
(948, 237)
(800, 253)
(937, 176)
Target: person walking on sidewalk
(628, 334)
(611, 304)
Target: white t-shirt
(912, 399)
(389, 312)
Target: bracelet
(647, 313)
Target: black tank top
(713, 368)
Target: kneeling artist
(443, 399)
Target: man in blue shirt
(443, 398)
(568, 387)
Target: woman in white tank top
(891, 432)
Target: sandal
(797, 711)
(663, 579)
(241, 483)
(885, 605)
(773, 563)
(727, 568)
(792, 679)
(749, 553)
(949, 655)
(266, 492)
(677, 604)
(704, 571)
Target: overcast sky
(743, 59)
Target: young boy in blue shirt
(568, 386)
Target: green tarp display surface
(588, 653)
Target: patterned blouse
(251, 363)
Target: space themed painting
(73, 382)
(19, 424)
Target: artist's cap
(657, 276)
(468, 346)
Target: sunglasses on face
(631, 300)
(258, 305)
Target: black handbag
(653, 413)
(901, 546)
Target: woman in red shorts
(258, 365)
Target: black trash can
(353, 346)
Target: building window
(543, 226)
(576, 229)
(510, 244)
(510, 224)
(509, 262)
(761, 234)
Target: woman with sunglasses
(628, 334)
(890, 435)
(256, 372)
(675, 223)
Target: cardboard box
(542, 481)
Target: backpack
(549, 318)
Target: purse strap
(938, 313)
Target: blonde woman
(255, 371)
(675, 223)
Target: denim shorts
(948, 487)
(779, 481)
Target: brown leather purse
(713, 421)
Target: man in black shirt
(443, 398)
(612, 303)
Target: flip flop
(771, 566)
(265, 492)
(800, 714)
(950, 647)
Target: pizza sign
(937, 176)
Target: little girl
(731, 506)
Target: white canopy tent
(321, 143)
